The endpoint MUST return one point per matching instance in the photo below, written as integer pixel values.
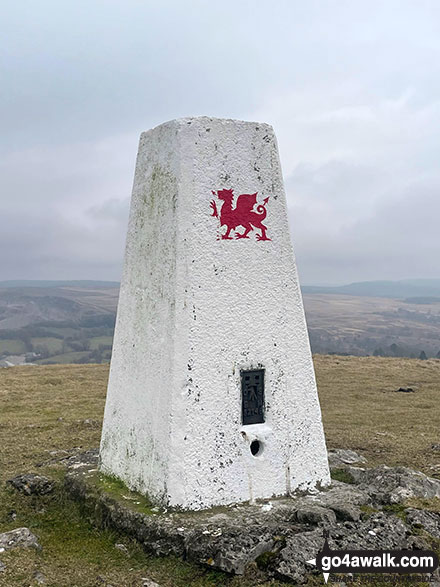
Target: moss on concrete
(116, 488)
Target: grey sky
(351, 88)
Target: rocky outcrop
(385, 485)
(31, 484)
(280, 535)
(341, 456)
(378, 531)
(421, 519)
(394, 485)
(19, 538)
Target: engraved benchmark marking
(252, 396)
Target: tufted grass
(45, 411)
(362, 411)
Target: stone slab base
(279, 535)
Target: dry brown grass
(44, 408)
(59, 407)
(362, 411)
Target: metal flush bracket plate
(252, 396)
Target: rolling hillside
(60, 322)
(408, 288)
(73, 321)
(361, 325)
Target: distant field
(98, 341)
(12, 347)
(54, 345)
(55, 408)
(64, 331)
(65, 358)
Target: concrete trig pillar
(212, 397)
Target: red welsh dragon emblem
(242, 215)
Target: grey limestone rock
(149, 583)
(392, 485)
(231, 551)
(346, 512)
(340, 456)
(32, 484)
(291, 564)
(39, 578)
(279, 535)
(429, 521)
(18, 538)
(316, 515)
(378, 532)
(122, 548)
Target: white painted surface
(193, 311)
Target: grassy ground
(54, 408)
(362, 411)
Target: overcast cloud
(351, 88)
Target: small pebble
(122, 548)
(39, 578)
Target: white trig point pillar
(212, 397)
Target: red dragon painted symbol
(242, 215)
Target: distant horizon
(406, 280)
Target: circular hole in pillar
(256, 448)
